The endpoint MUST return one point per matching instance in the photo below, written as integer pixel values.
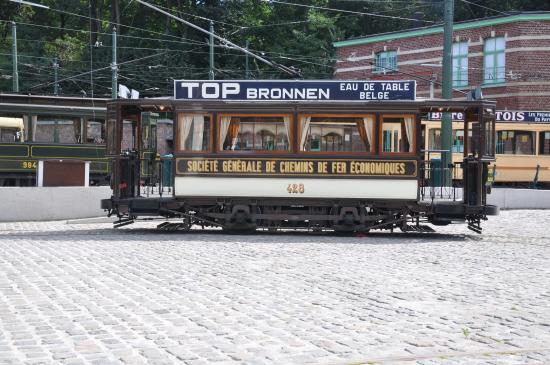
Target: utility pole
(211, 72)
(56, 84)
(447, 90)
(247, 73)
(15, 75)
(114, 75)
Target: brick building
(508, 56)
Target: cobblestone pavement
(87, 294)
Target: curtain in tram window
(364, 127)
(361, 128)
(287, 128)
(409, 125)
(369, 127)
(234, 128)
(224, 128)
(34, 122)
(198, 131)
(184, 127)
(304, 124)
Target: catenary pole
(56, 84)
(114, 75)
(15, 75)
(288, 70)
(211, 41)
(447, 91)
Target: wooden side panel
(64, 173)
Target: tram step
(418, 228)
(167, 226)
(122, 222)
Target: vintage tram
(34, 128)
(522, 146)
(323, 163)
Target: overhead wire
(103, 33)
(349, 11)
(100, 69)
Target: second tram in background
(34, 128)
(522, 146)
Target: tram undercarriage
(249, 215)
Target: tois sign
(296, 167)
(295, 90)
(505, 116)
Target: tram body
(342, 166)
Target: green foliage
(66, 48)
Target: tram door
(127, 165)
(478, 156)
(148, 147)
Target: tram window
(515, 143)
(58, 130)
(422, 137)
(95, 131)
(434, 139)
(165, 134)
(458, 141)
(505, 143)
(254, 133)
(128, 141)
(398, 134)
(111, 137)
(525, 143)
(490, 139)
(337, 133)
(10, 135)
(544, 143)
(193, 132)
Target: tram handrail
(433, 182)
(153, 181)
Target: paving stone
(88, 294)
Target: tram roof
(424, 105)
(52, 105)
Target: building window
(544, 143)
(460, 64)
(337, 134)
(515, 143)
(398, 134)
(494, 61)
(254, 133)
(385, 62)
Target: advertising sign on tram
(292, 90)
(505, 116)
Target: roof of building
(434, 29)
